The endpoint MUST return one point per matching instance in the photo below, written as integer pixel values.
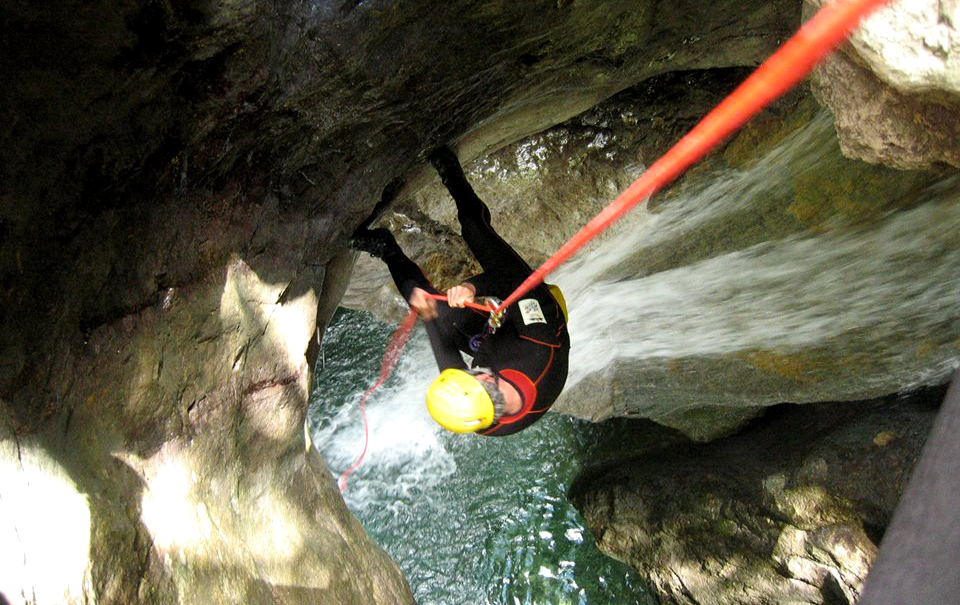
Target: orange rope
(394, 349)
(390, 358)
(794, 60)
(791, 63)
(472, 305)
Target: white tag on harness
(531, 312)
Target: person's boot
(375, 242)
(447, 166)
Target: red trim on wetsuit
(540, 342)
(547, 368)
(527, 390)
(526, 387)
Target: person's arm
(444, 350)
(446, 353)
(486, 284)
(458, 295)
(425, 306)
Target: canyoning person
(518, 367)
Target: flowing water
(469, 520)
(474, 520)
(892, 273)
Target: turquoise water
(469, 520)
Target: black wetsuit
(530, 348)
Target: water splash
(468, 519)
(406, 456)
(894, 277)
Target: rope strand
(394, 349)
(791, 63)
(472, 305)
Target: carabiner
(496, 317)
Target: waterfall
(893, 276)
(485, 520)
(468, 519)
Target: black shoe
(375, 242)
(446, 164)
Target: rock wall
(790, 510)
(178, 180)
(167, 481)
(776, 270)
(894, 87)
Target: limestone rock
(877, 123)
(895, 88)
(164, 483)
(776, 270)
(911, 46)
(177, 186)
(789, 511)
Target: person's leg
(381, 244)
(490, 250)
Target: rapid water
(469, 520)
(895, 275)
(474, 520)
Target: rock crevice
(177, 186)
(789, 510)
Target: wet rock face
(895, 88)
(791, 510)
(776, 270)
(177, 183)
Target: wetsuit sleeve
(444, 349)
(490, 284)
(485, 284)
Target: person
(518, 369)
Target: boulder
(790, 510)
(895, 87)
(177, 186)
(168, 482)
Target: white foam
(406, 449)
(792, 292)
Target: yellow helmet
(459, 402)
(558, 296)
